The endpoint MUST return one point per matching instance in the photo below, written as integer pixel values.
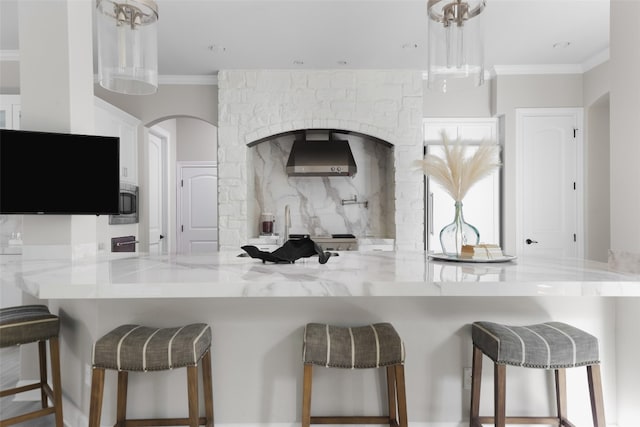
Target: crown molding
(496, 70)
(507, 70)
(488, 75)
(188, 80)
(181, 80)
(595, 60)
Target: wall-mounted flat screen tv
(58, 173)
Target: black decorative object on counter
(288, 253)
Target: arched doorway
(173, 144)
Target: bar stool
(371, 346)
(551, 345)
(142, 349)
(28, 324)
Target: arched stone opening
(362, 205)
(257, 104)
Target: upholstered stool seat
(29, 324)
(372, 346)
(141, 348)
(552, 346)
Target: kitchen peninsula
(257, 312)
(354, 274)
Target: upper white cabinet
(9, 111)
(111, 121)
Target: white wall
(527, 91)
(597, 215)
(197, 140)
(171, 100)
(596, 83)
(625, 113)
(55, 104)
(460, 100)
(625, 197)
(596, 86)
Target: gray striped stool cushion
(141, 348)
(368, 346)
(551, 345)
(27, 323)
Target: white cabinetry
(9, 111)
(111, 121)
(10, 225)
(481, 205)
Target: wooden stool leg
(42, 357)
(391, 395)
(500, 388)
(121, 405)
(402, 396)
(561, 394)
(306, 395)
(595, 391)
(54, 350)
(476, 381)
(207, 383)
(97, 388)
(192, 393)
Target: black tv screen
(58, 173)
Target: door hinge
(574, 185)
(182, 228)
(574, 237)
(575, 131)
(181, 183)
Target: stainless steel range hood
(321, 158)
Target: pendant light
(456, 46)
(128, 46)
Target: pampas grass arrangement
(458, 170)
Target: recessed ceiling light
(561, 45)
(216, 48)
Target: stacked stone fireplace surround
(256, 104)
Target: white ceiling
(200, 37)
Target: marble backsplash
(316, 203)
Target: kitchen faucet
(287, 222)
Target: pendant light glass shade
(456, 45)
(128, 46)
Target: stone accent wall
(254, 104)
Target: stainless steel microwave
(128, 203)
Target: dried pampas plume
(458, 171)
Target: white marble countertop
(350, 274)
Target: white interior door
(550, 182)
(156, 192)
(198, 216)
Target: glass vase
(457, 234)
